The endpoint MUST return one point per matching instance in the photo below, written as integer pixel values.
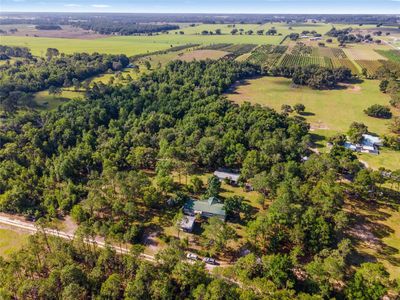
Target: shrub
(378, 111)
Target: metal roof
(211, 205)
(227, 175)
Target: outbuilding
(233, 178)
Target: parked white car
(192, 256)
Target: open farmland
(371, 65)
(331, 52)
(111, 45)
(393, 55)
(266, 55)
(358, 53)
(67, 31)
(290, 60)
(343, 62)
(202, 55)
(130, 45)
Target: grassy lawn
(48, 102)
(387, 158)
(11, 241)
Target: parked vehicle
(210, 261)
(192, 256)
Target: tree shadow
(307, 114)
(317, 140)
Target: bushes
(378, 111)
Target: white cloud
(72, 5)
(100, 5)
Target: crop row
(370, 65)
(290, 60)
(266, 55)
(239, 49)
(216, 46)
(344, 62)
(330, 52)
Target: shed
(187, 223)
(225, 175)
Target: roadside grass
(11, 241)
(49, 102)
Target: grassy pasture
(11, 241)
(347, 103)
(328, 112)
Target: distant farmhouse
(369, 144)
(211, 207)
(223, 175)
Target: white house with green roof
(211, 207)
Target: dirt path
(31, 227)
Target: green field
(47, 102)
(328, 111)
(10, 241)
(112, 45)
(130, 45)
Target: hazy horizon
(206, 6)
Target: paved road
(32, 228)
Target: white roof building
(222, 175)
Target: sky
(206, 6)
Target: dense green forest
(50, 268)
(109, 161)
(20, 79)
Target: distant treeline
(73, 18)
(48, 27)
(123, 28)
